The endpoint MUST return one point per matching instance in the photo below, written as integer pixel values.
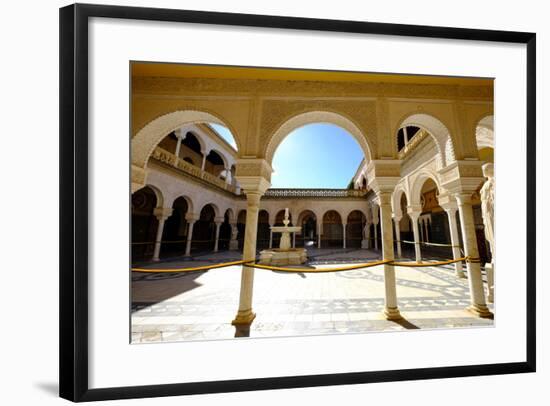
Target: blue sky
(312, 156)
(316, 156)
(224, 133)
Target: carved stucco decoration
(146, 85)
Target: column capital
(384, 174)
(464, 198)
(162, 213)
(219, 220)
(180, 133)
(383, 198)
(192, 217)
(397, 217)
(462, 176)
(253, 174)
(414, 211)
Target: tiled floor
(201, 305)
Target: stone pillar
(191, 218)
(293, 240)
(451, 209)
(344, 235)
(478, 305)
(426, 229)
(204, 155)
(233, 242)
(319, 235)
(375, 223)
(270, 239)
(366, 236)
(245, 315)
(391, 310)
(414, 215)
(398, 235)
(161, 213)
(218, 221)
(180, 135)
(254, 187)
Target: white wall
(29, 66)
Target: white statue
(488, 203)
(487, 194)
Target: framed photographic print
(256, 202)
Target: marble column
(398, 235)
(180, 135)
(375, 220)
(245, 315)
(478, 305)
(319, 228)
(161, 213)
(391, 310)
(344, 235)
(204, 155)
(426, 227)
(270, 239)
(376, 236)
(233, 242)
(455, 241)
(191, 219)
(218, 221)
(414, 215)
(293, 240)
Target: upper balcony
(309, 193)
(161, 155)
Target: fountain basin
(279, 257)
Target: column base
(155, 259)
(461, 274)
(392, 313)
(481, 311)
(244, 317)
(233, 245)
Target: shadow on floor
(242, 330)
(406, 324)
(161, 287)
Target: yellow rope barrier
(197, 268)
(317, 270)
(309, 270)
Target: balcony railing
(166, 157)
(297, 193)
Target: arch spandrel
(473, 114)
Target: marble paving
(201, 305)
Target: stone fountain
(285, 254)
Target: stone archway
(439, 132)
(146, 139)
(314, 117)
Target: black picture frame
(73, 180)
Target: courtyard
(170, 307)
